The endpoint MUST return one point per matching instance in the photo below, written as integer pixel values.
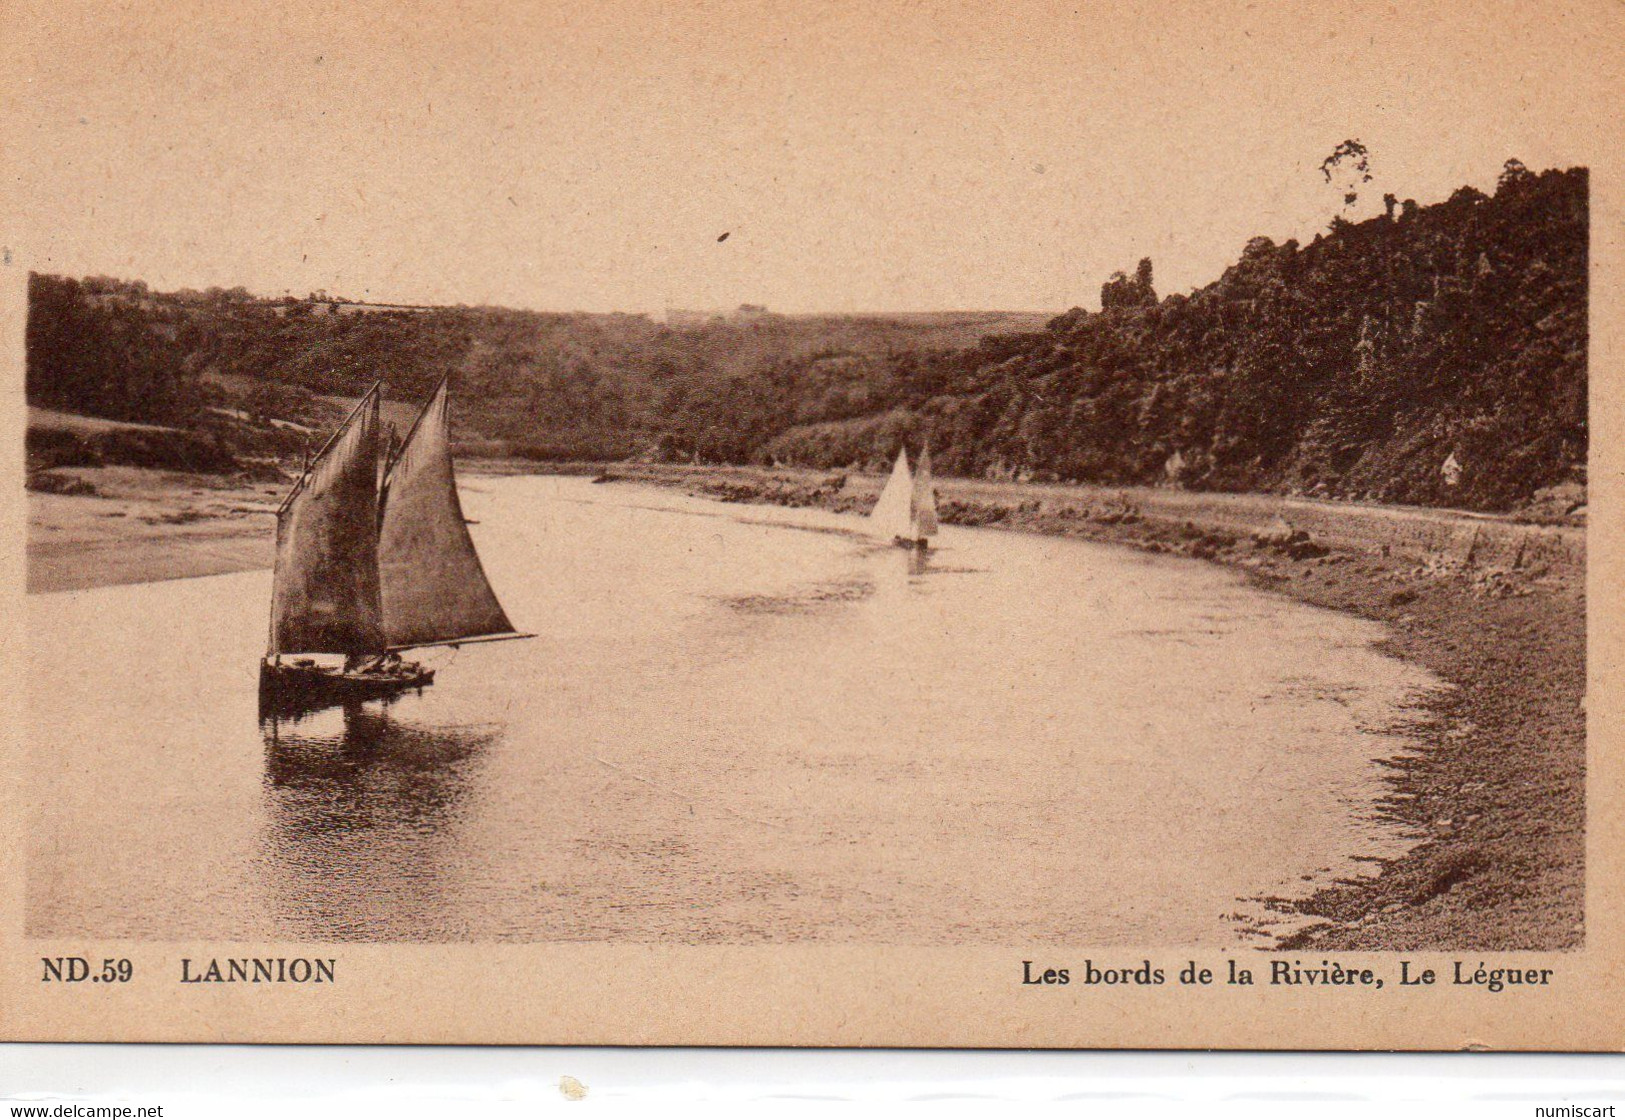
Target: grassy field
(51, 420)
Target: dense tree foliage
(116, 358)
(1355, 366)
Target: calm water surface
(738, 724)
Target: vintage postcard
(797, 523)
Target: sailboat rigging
(373, 557)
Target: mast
(324, 591)
(434, 588)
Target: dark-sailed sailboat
(373, 557)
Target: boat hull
(302, 687)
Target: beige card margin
(862, 996)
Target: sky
(880, 156)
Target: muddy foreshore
(1495, 794)
(100, 526)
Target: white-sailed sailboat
(907, 509)
(925, 501)
(373, 557)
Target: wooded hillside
(1434, 355)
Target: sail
(434, 589)
(925, 499)
(324, 595)
(892, 513)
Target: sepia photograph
(1097, 495)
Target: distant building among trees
(1121, 291)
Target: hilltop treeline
(1434, 354)
(533, 383)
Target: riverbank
(101, 526)
(1495, 794)
(1496, 608)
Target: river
(738, 724)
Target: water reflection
(362, 812)
(731, 730)
(288, 706)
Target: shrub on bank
(203, 453)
